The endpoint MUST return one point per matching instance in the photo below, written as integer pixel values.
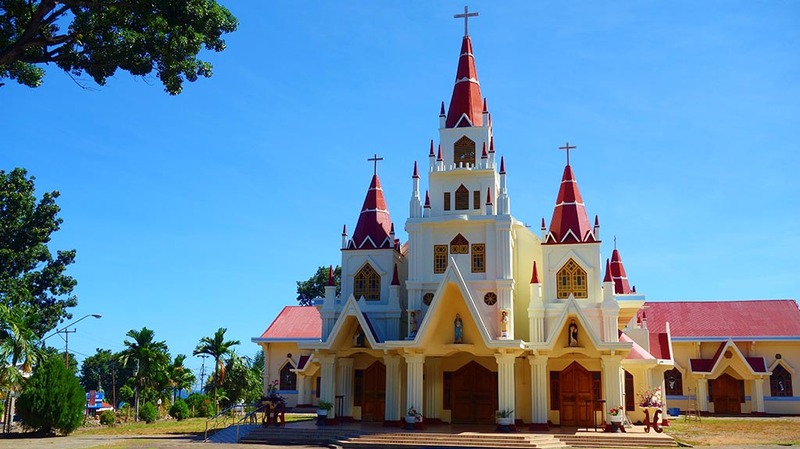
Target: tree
(100, 36)
(18, 350)
(217, 348)
(181, 377)
(103, 370)
(150, 356)
(242, 382)
(29, 274)
(52, 399)
(315, 286)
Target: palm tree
(181, 378)
(217, 348)
(150, 357)
(18, 351)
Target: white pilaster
(505, 381)
(433, 387)
(344, 384)
(301, 389)
(612, 380)
(327, 381)
(757, 395)
(702, 394)
(414, 393)
(538, 389)
(392, 398)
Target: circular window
(427, 299)
(778, 356)
(490, 299)
(728, 354)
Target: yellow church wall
(275, 357)
(527, 249)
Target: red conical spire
(621, 285)
(570, 224)
(484, 154)
(439, 156)
(395, 279)
(535, 274)
(427, 200)
(502, 166)
(416, 172)
(488, 196)
(491, 144)
(485, 106)
(441, 111)
(374, 224)
(467, 98)
(331, 280)
(607, 277)
(431, 153)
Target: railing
(251, 417)
(227, 417)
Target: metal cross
(567, 147)
(375, 159)
(466, 17)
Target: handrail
(224, 417)
(247, 417)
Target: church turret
(432, 157)
(426, 211)
(536, 308)
(442, 117)
(466, 103)
(610, 308)
(503, 201)
(491, 152)
(489, 207)
(394, 290)
(374, 224)
(415, 205)
(570, 224)
(621, 285)
(344, 236)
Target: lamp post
(66, 331)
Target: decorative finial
(375, 159)
(466, 17)
(567, 147)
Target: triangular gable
(461, 121)
(571, 254)
(382, 271)
(571, 306)
(717, 364)
(350, 309)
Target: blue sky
(201, 211)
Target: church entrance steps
(311, 435)
(449, 440)
(616, 440)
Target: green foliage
(104, 369)
(108, 418)
(99, 37)
(242, 383)
(126, 393)
(29, 274)
(201, 405)
(315, 286)
(150, 358)
(218, 348)
(179, 410)
(181, 378)
(148, 413)
(52, 399)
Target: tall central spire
(466, 104)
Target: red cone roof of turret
(441, 111)
(395, 278)
(374, 224)
(570, 224)
(621, 285)
(331, 280)
(431, 153)
(607, 277)
(491, 145)
(439, 156)
(502, 166)
(416, 172)
(467, 98)
(484, 154)
(488, 195)
(535, 275)
(427, 200)
(344, 229)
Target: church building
(478, 314)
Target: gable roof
(294, 323)
(723, 319)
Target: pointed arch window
(288, 377)
(464, 152)
(459, 245)
(780, 382)
(571, 279)
(674, 382)
(367, 284)
(462, 198)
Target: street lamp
(66, 331)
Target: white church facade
(476, 313)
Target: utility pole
(66, 333)
(202, 371)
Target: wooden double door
(575, 389)
(373, 408)
(474, 395)
(727, 394)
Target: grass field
(194, 426)
(736, 431)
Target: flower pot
(322, 415)
(615, 418)
(504, 424)
(410, 422)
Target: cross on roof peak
(375, 159)
(466, 17)
(567, 147)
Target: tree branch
(11, 53)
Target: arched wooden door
(474, 394)
(374, 405)
(726, 392)
(575, 388)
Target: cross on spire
(375, 160)
(466, 17)
(567, 147)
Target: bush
(52, 399)
(179, 410)
(108, 418)
(148, 413)
(201, 405)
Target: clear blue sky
(201, 211)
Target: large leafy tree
(315, 285)
(242, 381)
(52, 399)
(218, 348)
(18, 350)
(97, 37)
(103, 369)
(29, 274)
(181, 378)
(150, 357)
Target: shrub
(201, 405)
(179, 410)
(148, 413)
(108, 418)
(52, 399)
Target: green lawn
(196, 426)
(736, 431)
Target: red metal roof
(569, 214)
(659, 346)
(761, 318)
(621, 285)
(374, 224)
(295, 322)
(637, 352)
(466, 97)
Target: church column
(757, 395)
(612, 380)
(301, 389)
(505, 381)
(265, 376)
(392, 398)
(327, 381)
(433, 388)
(414, 393)
(344, 385)
(702, 394)
(538, 390)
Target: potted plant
(412, 417)
(505, 418)
(616, 415)
(323, 407)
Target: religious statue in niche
(504, 324)
(458, 326)
(572, 335)
(358, 338)
(412, 324)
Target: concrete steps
(293, 436)
(616, 440)
(447, 440)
